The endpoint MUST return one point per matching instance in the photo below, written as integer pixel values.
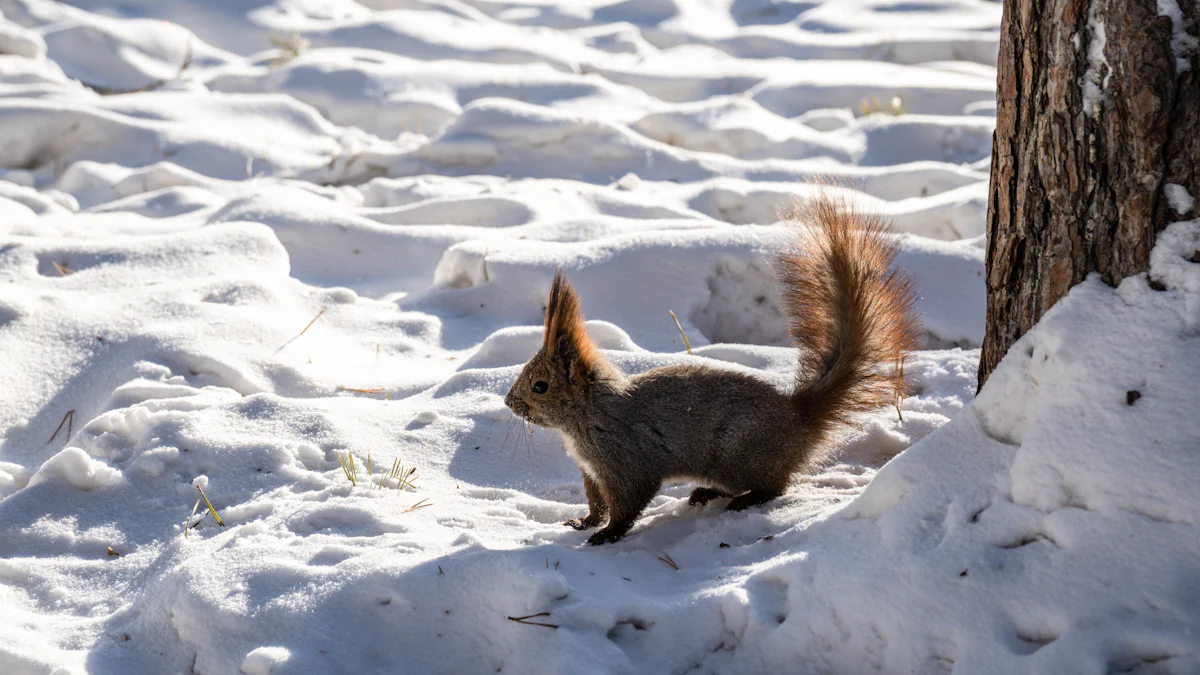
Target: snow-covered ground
(411, 173)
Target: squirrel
(852, 317)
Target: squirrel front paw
(582, 523)
(604, 536)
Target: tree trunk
(1098, 110)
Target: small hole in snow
(1030, 539)
(1035, 641)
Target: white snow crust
(1183, 44)
(1179, 199)
(411, 174)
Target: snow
(1095, 78)
(1178, 198)
(262, 266)
(1183, 44)
(266, 660)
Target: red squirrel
(851, 316)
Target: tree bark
(1098, 109)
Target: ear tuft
(565, 338)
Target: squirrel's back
(718, 426)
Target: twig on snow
(69, 420)
(524, 620)
(310, 323)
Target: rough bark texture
(1078, 189)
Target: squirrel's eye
(540, 387)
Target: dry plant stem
(419, 505)
(69, 420)
(188, 524)
(400, 474)
(210, 507)
(524, 620)
(895, 106)
(310, 323)
(63, 270)
(347, 463)
(666, 558)
(290, 46)
(391, 474)
(200, 519)
(388, 474)
(687, 344)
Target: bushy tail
(852, 315)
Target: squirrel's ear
(565, 338)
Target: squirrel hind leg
(752, 498)
(703, 495)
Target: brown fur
(852, 313)
(565, 335)
(852, 317)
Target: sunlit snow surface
(413, 178)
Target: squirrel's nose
(508, 400)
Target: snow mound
(266, 660)
(992, 539)
(293, 254)
(77, 468)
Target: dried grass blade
(310, 323)
(188, 524)
(687, 344)
(211, 510)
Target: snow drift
(242, 242)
